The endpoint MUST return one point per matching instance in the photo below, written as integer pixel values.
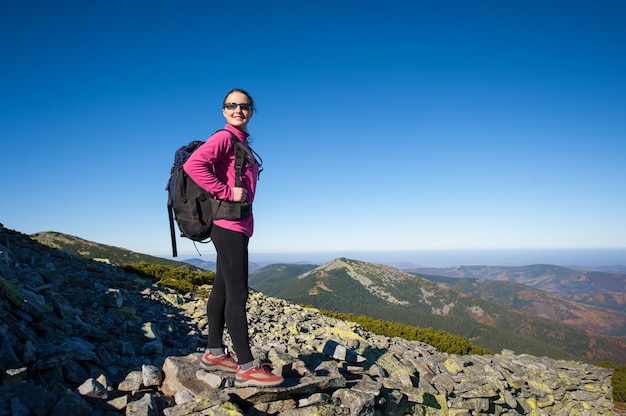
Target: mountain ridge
(385, 296)
(379, 291)
(593, 288)
(550, 278)
(105, 253)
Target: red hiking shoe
(224, 362)
(258, 376)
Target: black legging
(227, 301)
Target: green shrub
(618, 380)
(443, 341)
(181, 280)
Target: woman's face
(239, 116)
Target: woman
(212, 167)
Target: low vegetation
(179, 279)
(443, 341)
(618, 380)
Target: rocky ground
(80, 337)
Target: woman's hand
(239, 194)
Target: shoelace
(265, 367)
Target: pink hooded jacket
(212, 166)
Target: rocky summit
(82, 337)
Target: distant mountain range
(202, 264)
(523, 319)
(597, 289)
(602, 319)
(540, 310)
(210, 265)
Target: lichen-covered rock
(84, 337)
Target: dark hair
(244, 92)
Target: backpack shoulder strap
(240, 156)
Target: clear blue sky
(401, 125)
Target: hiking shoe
(224, 362)
(259, 376)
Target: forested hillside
(350, 286)
(533, 301)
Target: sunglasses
(233, 106)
